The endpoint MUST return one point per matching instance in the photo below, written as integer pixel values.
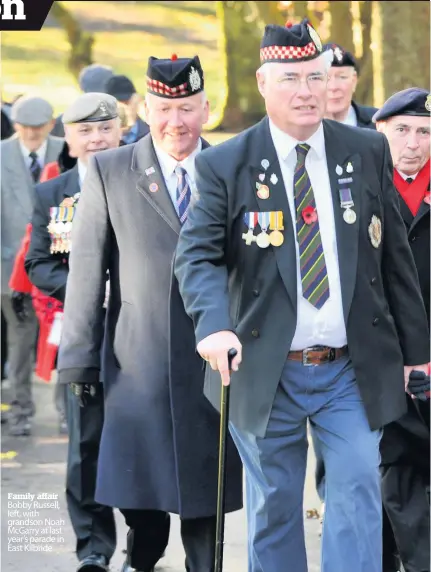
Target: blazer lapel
(347, 234)
(52, 151)
(151, 183)
(406, 213)
(285, 255)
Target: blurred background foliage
(391, 41)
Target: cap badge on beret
(315, 37)
(103, 109)
(338, 53)
(428, 102)
(194, 79)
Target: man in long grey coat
(159, 445)
(23, 157)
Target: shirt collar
(82, 171)
(41, 152)
(284, 144)
(168, 164)
(405, 177)
(351, 118)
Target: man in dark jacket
(159, 447)
(91, 125)
(342, 81)
(405, 120)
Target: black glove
(84, 392)
(419, 385)
(18, 305)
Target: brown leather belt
(317, 355)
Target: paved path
(39, 467)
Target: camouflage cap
(91, 107)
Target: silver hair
(327, 55)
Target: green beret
(91, 107)
(31, 111)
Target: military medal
(263, 192)
(276, 237)
(346, 202)
(250, 220)
(262, 239)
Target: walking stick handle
(224, 422)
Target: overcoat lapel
(347, 234)
(424, 210)
(285, 255)
(18, 176)
(151, 183)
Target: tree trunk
(81, 43)
(241, 33)
(365, 89)
(401, 47)
(342, 24)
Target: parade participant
(91, 125)
(294, 253)
(122, 88)
(405, 120)
(342, 81)
(23, 158)
(160, 437)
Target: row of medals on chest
(60, 225)
(274, 219)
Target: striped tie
(314, 277)
(183, 194)
(35, 168)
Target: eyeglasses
(293, 82)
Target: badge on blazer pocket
(375, 231)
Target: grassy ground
(126, 34)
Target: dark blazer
(227, 285)
(159, 444)
(364, 115)
(47, 271)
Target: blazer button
(413, 238)
(255, 333)
(255, 292)
(373, 280)
(375, 321)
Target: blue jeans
(275, 469)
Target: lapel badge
(375, 231)
(349, 168)
(339, 170)
(149, 171)
(265, 163)
(274, 179)
(154, 187)
(263, 192)
(262, 177)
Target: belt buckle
(305, 358)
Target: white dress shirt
(325, 326)
(41, 152)
(351, 118)
(168, 165)
(405, 177)
(82, 171)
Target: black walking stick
(224, 421)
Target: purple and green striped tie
(183, 194)
(314, 276)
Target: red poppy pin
(427, 198)
(309, 214)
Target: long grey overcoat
(159, 446)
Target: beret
(93, 78)
(175, 77)
(91, 107)
(120, 87)
(411, 101)
(342, 57)
(31, 111)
